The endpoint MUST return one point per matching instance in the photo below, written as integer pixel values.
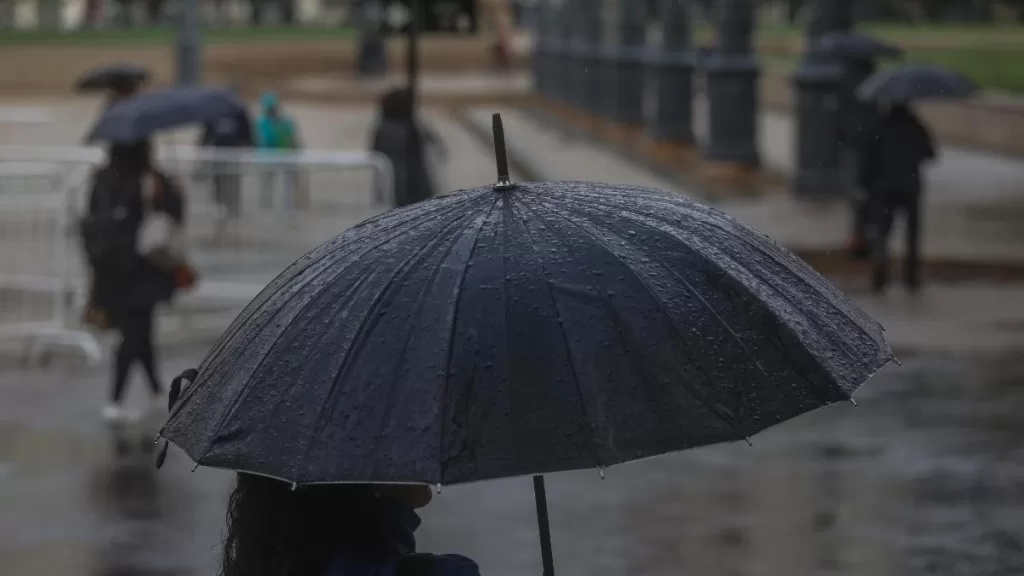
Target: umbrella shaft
(542, 525)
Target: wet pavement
(926, 476)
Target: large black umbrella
(856, 47)
(521, 330)
(114, 77)
(141, 116)
(911, 82)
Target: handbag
(160, 239)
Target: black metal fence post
(592, 61)
(732, 73)
(673, 68)
(629, 62)
(818, 115)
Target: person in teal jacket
(275, 130)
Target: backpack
(108, 235)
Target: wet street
(925, 477)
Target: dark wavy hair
(273, 530)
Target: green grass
(165, 35)
(993, 56)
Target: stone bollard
(732, 73)
(673, 67)
(817, 83)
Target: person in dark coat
(392, 139)
(232, 131)
(892, 172)
(329, 530)
(860, 122)
(126, 286)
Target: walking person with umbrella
(511, 330)
(891, 167)
(128, 197)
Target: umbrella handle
(542, 525)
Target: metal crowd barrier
(250, 214)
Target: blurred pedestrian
(132, 204)
(860, 122)
(329, 530)
(892, 173)
(276, 131)
(407, 145)
(229, 132)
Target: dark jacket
(122, 278)
(233, 131)
(391, 138)
(399, 523)
(892, 161)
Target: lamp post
(817, 84)
(732, 73)
(673, 67)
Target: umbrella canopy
(139, 117)
(119, 76)
(903, 84)
(521, 329)
(856, 47)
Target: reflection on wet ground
(925, 477)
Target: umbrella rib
(770, 285)
(729, 225)
(565, 340)
(400, 227)
(242, 393)
(364, 324)
(698, 392)
(451, 337)
(759, 248)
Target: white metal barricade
(250, 214)
(37, 288)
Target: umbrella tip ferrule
(854, 402)
(747, 439)
(295, 486)
(439, 488)
(601, 472)
(500, 155)
(194, 466)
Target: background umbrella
(141, 116)
(520, 330)
(912, 82)
(114, 77)
(856, 47)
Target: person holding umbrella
(891, 165)
(331, 530)
(128, 196)
(508, 330)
